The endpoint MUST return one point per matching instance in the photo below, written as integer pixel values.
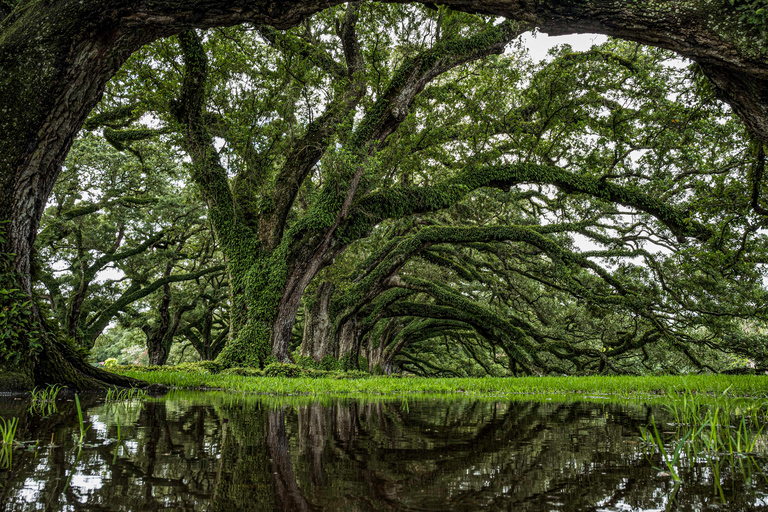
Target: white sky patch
(539, 43)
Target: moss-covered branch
(207, 172)
(400, 202)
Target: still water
(212, 451)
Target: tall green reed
(8, 433)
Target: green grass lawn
(588, 388)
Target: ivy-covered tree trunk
(349, 343)
(272, 262)
(160, 336)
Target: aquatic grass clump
(125, 395)
(8, 434)
(714, 431)
(44, 400)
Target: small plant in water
(714, 432)
(125, 395)
(83, 428)
(8, 433)
(44, 400)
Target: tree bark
(349, 342)
(160, 337)
(316, 342)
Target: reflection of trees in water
(458, 455)
(521, 456)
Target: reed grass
(125, 395)
(8, 434)
(81, 423)
(721, 431)
(44, 400)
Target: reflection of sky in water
(436, 455)
(85, 484)
(30, 490)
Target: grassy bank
(597, 387)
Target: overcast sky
(539, 44)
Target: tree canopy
(358, 155)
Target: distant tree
(121, 215)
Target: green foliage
(244, 372)
(754, 13)
(126, 346)
(44, 400)
(7, 435)
(125, 395)
(285, 370)
(199, 367)
(329, 363)
(583, 215)
(250, 348)
(211, 367)
(21, 339)
(20, 335)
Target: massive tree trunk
(56, 58)
(316, 342)
(349, 342)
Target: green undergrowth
(292, 380)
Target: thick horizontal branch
(400, 202)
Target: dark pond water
(216, 452)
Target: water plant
(8, 433)
(83, 428)
(44, 400)
(125, 395)
(714, 431)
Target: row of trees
(427, 190)
(426, 203)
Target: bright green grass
(588, 388)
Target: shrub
(306, 362)
(243, 371)
(329, 363)
(350, 374)
(211, 366)
(283, 370)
